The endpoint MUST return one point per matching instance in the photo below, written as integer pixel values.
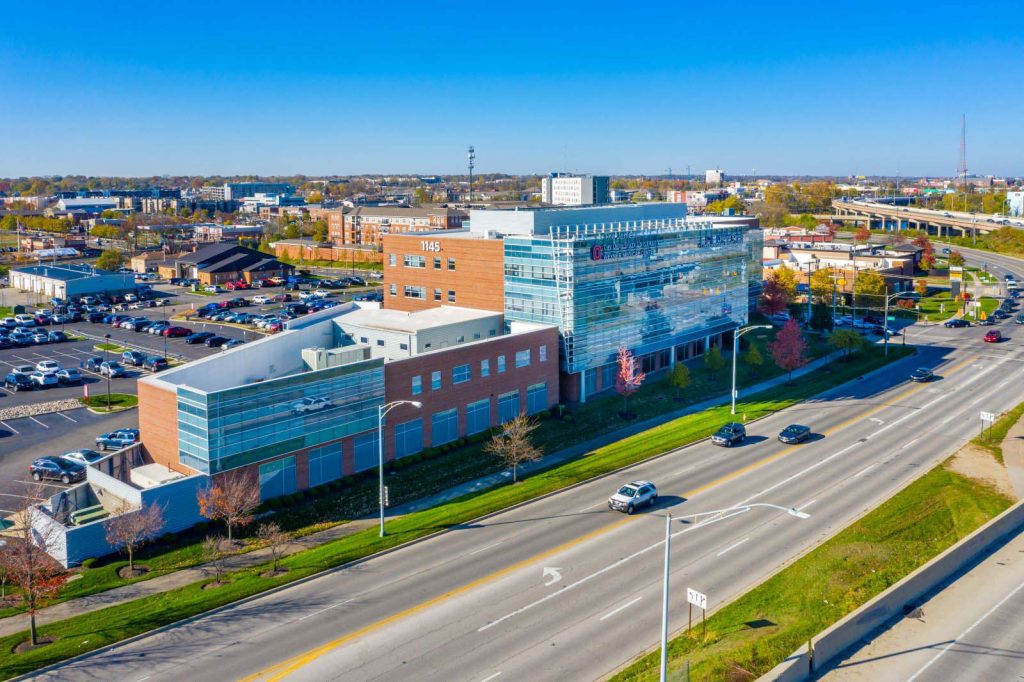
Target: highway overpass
(940, 223)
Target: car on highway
(310, 405)
(729, 434)
(133, 358)
(112, 368)
(795, 433)
(197, 337)
(56, 469)
(44, 379)
(115, 440)
(83, 457)
(16, 381)
(922, 374)
(176, 332)
(68, 376)
(48, 366)
(956, 322)
(632, 496)
(993, 336)
(155, 363)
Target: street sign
(956, 273)
(696, 598)
(988, 417)
(891, 318)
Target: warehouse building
(71, 280)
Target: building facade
(566, 189)
(236, 191)
(367, 225)
(71, 280)
(1015, 202)
(431, 270)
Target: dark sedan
(215, 341)
(922, 375)
(198, 337)
(956, 322)
(56, 469)
(795, 433)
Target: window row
(464, 373)
(417, 261)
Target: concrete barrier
(896, 601)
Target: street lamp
(735, 351)
(885, 322)
(382, 410)
(106, 355)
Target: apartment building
(566, 189)
(368, 224)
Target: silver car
(633, 495)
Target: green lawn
(992, 438)
(87, 632)
(117, 401)
(757, 631)
(109, 347)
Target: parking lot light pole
(106, 356)
(664, 598)
(382, 410)
(736, 351)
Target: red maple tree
(789, 350)
(774, 297)
(629, 378)
(862, 234)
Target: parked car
(232, 344)
(729, 434)
(155, 363)
(18, 382)
(157, 327)
(956, 322)
(56, 469)
(57, 336)
(83, 457)
(115, 440)
(48, 366)
(260, 300)
(215, 341)
(282, 298)
(795, 433)
(633, 495)
(922, 374)
(176, 332)
(133, 358)
(23, 320)
(93, 364)
(213, 289)
(19, 338)
(993, 336)
(44, 379)
(69, 376)
(112, 368)
(197, 337)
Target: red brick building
(367, 224)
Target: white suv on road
(633, 495)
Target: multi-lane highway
(563, 588)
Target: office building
(236, 191)
(714, 178)
(299, 408)
(225, 262)
(70, 280)
(566, 189)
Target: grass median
(992, 437)
(757, 631)
(90, 631)
(116, 402)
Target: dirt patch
(273, 574)
(214, 585)
(979, 464)
(40, 642)
(135, 572)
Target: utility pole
(471, 155)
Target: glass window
(523, 358)
(608, 376)
(537, 398)
(324, 464)
(417, 385)
(392, 260)
(277, 478)
(444, 427)
(408, 438)
(451, 295)
(501, 364)
(415, 292)
(366, 451)
(542, 354)
(478, 416)
(414, 261)
(435, 380)
(437, 294)
(485, 368)
(380, 342)
(437, 262)
(508, 406)
(393, 289)
(451, 263)
(461, 374)
(403, 346)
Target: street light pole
(382, 410)
(736, 351)
(664, 599)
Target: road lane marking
(327, 608)
(949, 418)
(39, 422)
(614, 611)
(280, 670)
(864, 470)
(66, 417)
(732, 547)
(965, 632)
(805, 505)
(488, 679)
(8, 426)
(908, 444)
(484, 549)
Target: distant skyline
(130, 89)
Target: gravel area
(35, 409)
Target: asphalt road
(563, 588)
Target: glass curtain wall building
(650, 286)
(226, 429)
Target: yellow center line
(279, 671)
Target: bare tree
(129, 529)
(231, 498)
(27, 562)
(271, 535)
(513, 445)
(213, 557)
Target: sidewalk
(1013, 456)
(171, 581)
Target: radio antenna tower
(961, 169)
(471, 155)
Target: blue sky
(119, 88)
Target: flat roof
(411, 322)
(65, 273)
